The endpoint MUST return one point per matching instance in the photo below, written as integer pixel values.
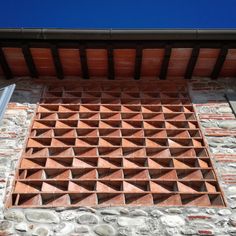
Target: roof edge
(116, 34)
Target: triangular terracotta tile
(81, 187)
(83, 199)
(167, 199)
(138, 199)
(134, 187)
(109, 162)
(86, 152)
(108, 199)
(53, 187)
(63, 142)
(108, 186)
(110, 151)
(108, 174)
(27, 187)
(133, 152)
(134, 162)
(195, 200)
(56, 200)
(32, 163)
(29, 200)
(136, 174)
(57, 174)
(162, 187)
(190, 174)
(48, 108)
(83, 174)
(109, 132)
(85, 162)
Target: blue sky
(118, 13)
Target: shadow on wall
(231, 98)
(26, 90)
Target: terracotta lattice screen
(115, 143)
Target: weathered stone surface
(188, 231)
(124, 211)
(231, 190)
(224, 110)
(228, 124)
(110, 212)
(138, 212)
(65, 228)
(87, 209)
(82, 229)
(125, 231)
(172, 231)
(104, 230)
(224, 212)
(110, 219)
(14, 215)
(42, 216)
(172, 221)
(22, 227)
(232, 219)
(68, 215)
(5, 225)
(126, 221)
(87, 219)
(156, 213)
(174, 210)
(210, 211)
(42, 231)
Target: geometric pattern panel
(115, 143)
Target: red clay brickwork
(115, 143)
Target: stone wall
(219, 127)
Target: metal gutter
(117, 34)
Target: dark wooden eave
(110, 39)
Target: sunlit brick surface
(115, 143)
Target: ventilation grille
(115, 144)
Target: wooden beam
(84, 62)
(165, 62)
(4, 64)
(29, 61)
(219, 62)
(138, 62)
(111, 66)
(192, 62)
(57, 61)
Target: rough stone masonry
(219, 127)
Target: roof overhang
(221, 45)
